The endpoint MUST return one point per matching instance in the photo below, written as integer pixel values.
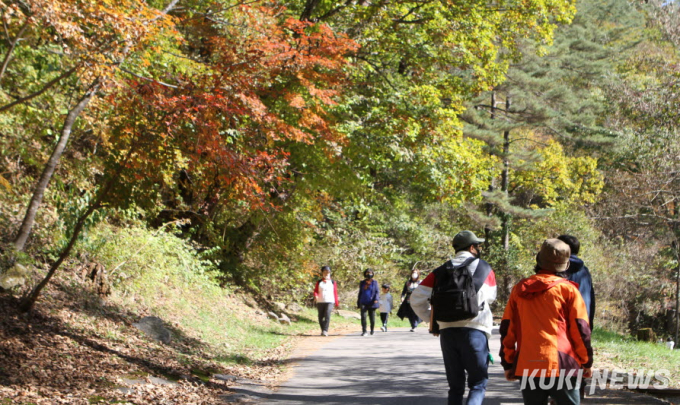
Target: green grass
(626, 353)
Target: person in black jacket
(405, 309)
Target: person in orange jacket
(545, 335)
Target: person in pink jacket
(325, 296)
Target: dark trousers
(413, 319)
(539, 396)
(325, 309)
(383, 318)
(465, 350)
(371, 315)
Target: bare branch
(12, 45)
(47, 86)
(167, 9)
(377, 70)
(149, 79)
(420, 21)
(333, 11)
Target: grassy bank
(616, 351)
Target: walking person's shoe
(324, 333)
(412, 330)
(364, 334)
(383, 328)
(371, 333)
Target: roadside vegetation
(615, 351)
(207, 157)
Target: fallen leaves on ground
(78, 352)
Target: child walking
(386, 306)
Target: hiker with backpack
(460, 292)
(405, 310)
(545, 336)
(326, 296)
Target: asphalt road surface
(396, 367)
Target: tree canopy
(285, 135)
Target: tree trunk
(310, 5)
(29, 301)
(489, 206)
(46, 176)
(677, 294)
(505, 179)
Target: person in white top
(325, 296)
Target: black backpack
(454, 296)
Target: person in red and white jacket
(325, 296)
(464, 343)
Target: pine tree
(551, 92)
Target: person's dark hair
(368, 271)
(467, 248)
(572, 241)
(325, 268)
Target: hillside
(79, 346)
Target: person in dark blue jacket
(368, 300)
(579, 273)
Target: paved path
(396, 368)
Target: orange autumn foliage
(267, 87)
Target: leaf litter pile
(81, 352)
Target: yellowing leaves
(555, 177)
(4, 183)
(96, 35)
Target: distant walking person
(368, 300)
(326, 296)
(464, 342)
(545, 336)
(405, 309)
(386, 305)
(579, 273)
